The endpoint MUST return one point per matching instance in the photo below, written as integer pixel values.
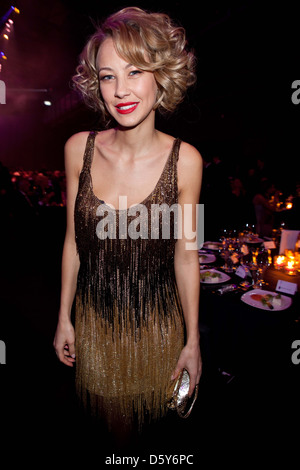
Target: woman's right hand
(64, 342)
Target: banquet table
(242, 339)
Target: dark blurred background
(240, 108)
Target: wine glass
(228, 267)
(224, 245)
(243, 253)
(252, 266)
(262, 264)
(254, 270)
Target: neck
(135, 140)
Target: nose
(121, 89)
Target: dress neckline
(101, 201)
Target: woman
(136, 297)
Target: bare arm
(186, 261)
(65, 336)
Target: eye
(135, 72)
(106, 77)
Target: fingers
(176, 372)
(194, 375)
(65, 354)
(69, 354)
(195, 381)
(192, 387)
(71, 347)
(64, 343)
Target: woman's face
(129, 93)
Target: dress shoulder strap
(89, 151)
(176, 148)
(172, 177)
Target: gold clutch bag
(178, 398)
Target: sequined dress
(129, 325)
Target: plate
(255, 240)
(247, 298)
(212, 245)
(206, 258)
(218, 280)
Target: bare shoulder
(190, 163)
(77, 142)
(189, 155)
(74, 151)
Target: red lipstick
(126, 108)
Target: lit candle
(279, 261)
(297, 261)
(291, 270)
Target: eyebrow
(110, 69)
(104, 68)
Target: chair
(288, 240)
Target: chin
(133, 123)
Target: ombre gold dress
(129, 325)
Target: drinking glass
(254, 270)
(223, 251)
(228, 266)
(262, 264)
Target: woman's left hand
(190, 359)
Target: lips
(126, 108)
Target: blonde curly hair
(149, 41)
